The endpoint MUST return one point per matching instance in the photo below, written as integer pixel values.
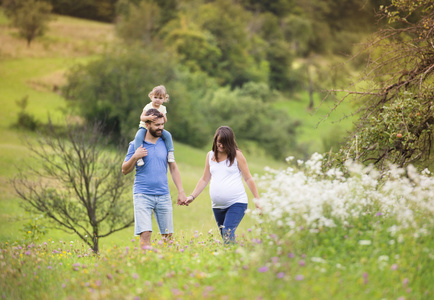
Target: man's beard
(155, 133)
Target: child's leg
(167, 137)
(140, 136)
(138, 141)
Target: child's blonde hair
(159, 91)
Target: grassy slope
(34, 71)
(317, 131)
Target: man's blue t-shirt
(151, 178)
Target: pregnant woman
(224, 166)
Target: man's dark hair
(154, 112)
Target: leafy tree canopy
(29, 16)
(397, 99)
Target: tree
(29, 16)
(397, 108)
(115, 87)
(78, 184)
(138, 22)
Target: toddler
(158, 96)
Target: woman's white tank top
(226, 186)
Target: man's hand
(140, 152)
(181, 198)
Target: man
(151, 188)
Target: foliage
(26, 120)
(248, 111)
(115, 88)
(399, 133)
(99, 10)
(78, 187)
(29, 16)
(398, 96)
(140, 22)
(34, 230)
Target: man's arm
(176, 177)
(128, 166)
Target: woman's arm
(202, 183)
(248, 178)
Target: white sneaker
(140, 162)
(171, 157)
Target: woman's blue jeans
(228, 220)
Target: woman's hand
(189, 200)
(258, 207)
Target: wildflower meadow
(347, 233)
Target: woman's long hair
(227, 139)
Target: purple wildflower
(365, 278)
(263, 269)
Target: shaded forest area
(235, 63)
(223, 62)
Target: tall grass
(373, 248)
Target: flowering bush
(310, 198)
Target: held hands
(187, 201)
(181, 198)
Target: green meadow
(357, 259)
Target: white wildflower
(365, 242)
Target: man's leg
(167, 237)
(143, 205)
(145, 239)
(164, 215)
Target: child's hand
(151, 118)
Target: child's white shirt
(148, 106)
